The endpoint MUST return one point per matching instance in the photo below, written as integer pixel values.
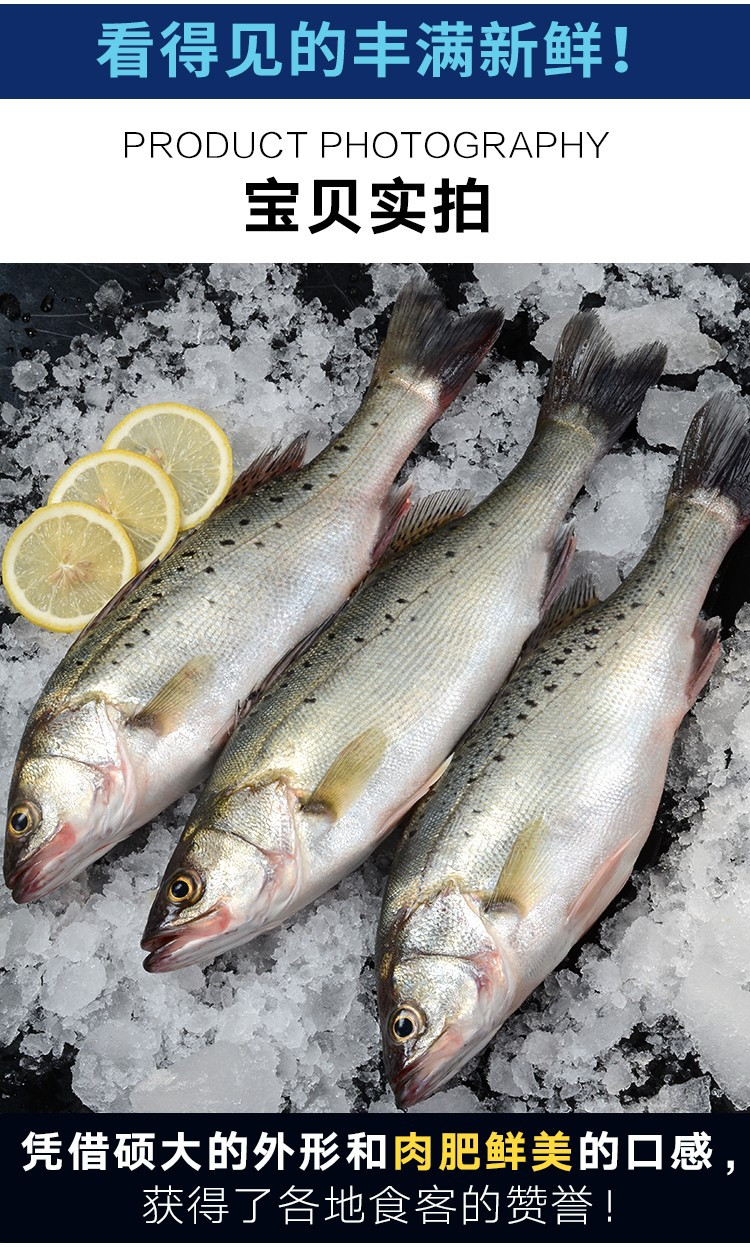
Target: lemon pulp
(188, 445)
(132, 489)
(64, 563)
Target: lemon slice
(133, 489)
(64, 563)
(189, 446)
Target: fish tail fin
(605, 388)
(715, 456)
(425, 343)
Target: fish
(147, 695)
(538, 823)
(359, 727)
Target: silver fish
(143, 701)
(538, 823)
(356, 730)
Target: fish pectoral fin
(427, 515)
(348, 775)
(170, 704)
(270, 464)
(528, 869)
(605, 884)
(706, 636)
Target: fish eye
(23, 818)
(405, 1023)
(186, 886)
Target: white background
(670, 184)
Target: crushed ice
(654, 1011)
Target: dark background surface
(44, 307)
(640, 1205)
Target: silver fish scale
(196, 604)
(225, 549)
(415, 654)
(235, 595)
(361, 670)
(426, 637)
(580, 736)
(286, 537)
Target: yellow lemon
(189, 446)
(134, 490)
(64, 563)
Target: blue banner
(407, 51)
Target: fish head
(234, 874)
(68, 801)
(443, 986)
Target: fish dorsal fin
(272, 463)
(569, 604)
(427, 515)
(170, 704)
(348, 775)
(526, 873)
(396, 508)
(559, 566)
(572, 602)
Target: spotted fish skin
(357, 728)
(143, 701)
(537, 825)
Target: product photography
(375, 623)
(510, 463)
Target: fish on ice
(360, 726)
(144, 699)
(537, 824)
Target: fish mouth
(27, 882)
(410, 1088)
(45, 869)
(53, 864)
(415, 1081)
(170, 949)
(413, 1084)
